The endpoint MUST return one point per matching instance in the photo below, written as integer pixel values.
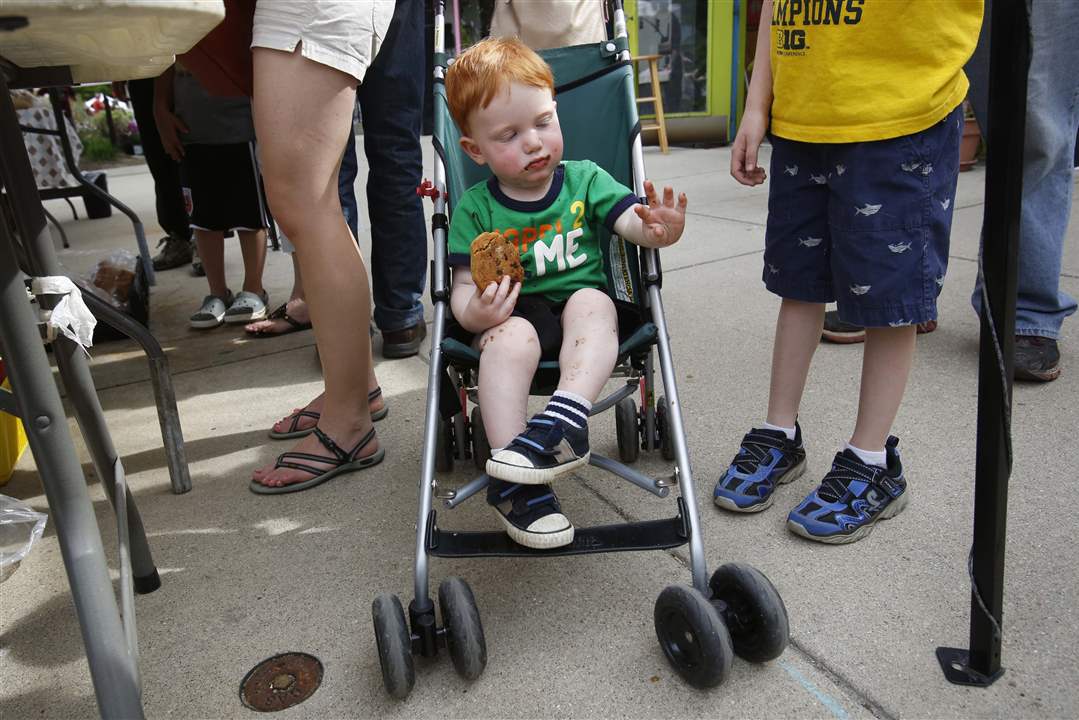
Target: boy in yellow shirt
(862, 100)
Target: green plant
(97, 148)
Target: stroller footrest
(645, 535)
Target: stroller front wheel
(464, 632)
(753, 610)
(394, 645)
(627, 425)
(693, 636)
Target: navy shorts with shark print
(865, 225)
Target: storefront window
(677, 31)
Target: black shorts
(545, 315)
(222, 187)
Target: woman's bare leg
(303, 114)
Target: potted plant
(972, 139)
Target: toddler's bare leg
(253, 248)
(589, 343)
(886, 362)
(211, 244)
(798, 330)
(509, 355)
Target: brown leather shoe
(403, 343)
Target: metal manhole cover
(281, 682)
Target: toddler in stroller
(501, 95)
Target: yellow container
(12, 442)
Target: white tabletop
(103, 40)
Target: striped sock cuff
(569, 407)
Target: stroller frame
(737, 610)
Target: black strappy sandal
(292, 432)
(342, 462)
(281, 313)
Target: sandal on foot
(341, 462)
(281, 313)
(294, 432)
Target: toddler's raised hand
(663, 221)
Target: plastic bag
(20, 527)
(113, 277)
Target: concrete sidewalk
(246, 576)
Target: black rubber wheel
(444, 446)
(626, 426)
(693, 637)
(394, 645)
(464, 632)
(754, 613)
(663, 428)
(481, 448)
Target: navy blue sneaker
(531, 514)
(546, 449)
(766, 459)
(852, 497)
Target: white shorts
(343, 34)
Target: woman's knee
(514, 341)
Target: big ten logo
(561, 250)
(790, 39)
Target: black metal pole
(1009, 64)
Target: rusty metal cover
(281, 682)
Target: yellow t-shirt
(857, 70)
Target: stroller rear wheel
(444, 446)
(394, 645)
(693, 637)
(627, 427)
(663, 428)
(481, 447)
(753, 610)
(464, 632)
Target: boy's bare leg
(301, 159)
(253, 249)
(886, 362)
(509, 355)
(798, 330)
(589, 343)
(211, 244)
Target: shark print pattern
(791, 170)
(900, 247)
(840, 169)
(927, 168)
(898, 323)
(860, 289)
(810, 241)
(773, 269)
(867, 210)
(819, 179)
(910, 167)
(945, 203)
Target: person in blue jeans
(1048, 159)
(391, 104)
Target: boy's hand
(664, 222)
(169, 127)
(744, 166)
(493, 304)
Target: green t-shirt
(557, 236)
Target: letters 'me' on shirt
(557, 235)
(862, 70)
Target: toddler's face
(519, 137)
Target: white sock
(878, 458)
(790, 432)
(568, 407)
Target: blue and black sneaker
(531, 513)
(852, 497)
(766, 459)
(546, 449)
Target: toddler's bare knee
(515, 341)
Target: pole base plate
(955, 663)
